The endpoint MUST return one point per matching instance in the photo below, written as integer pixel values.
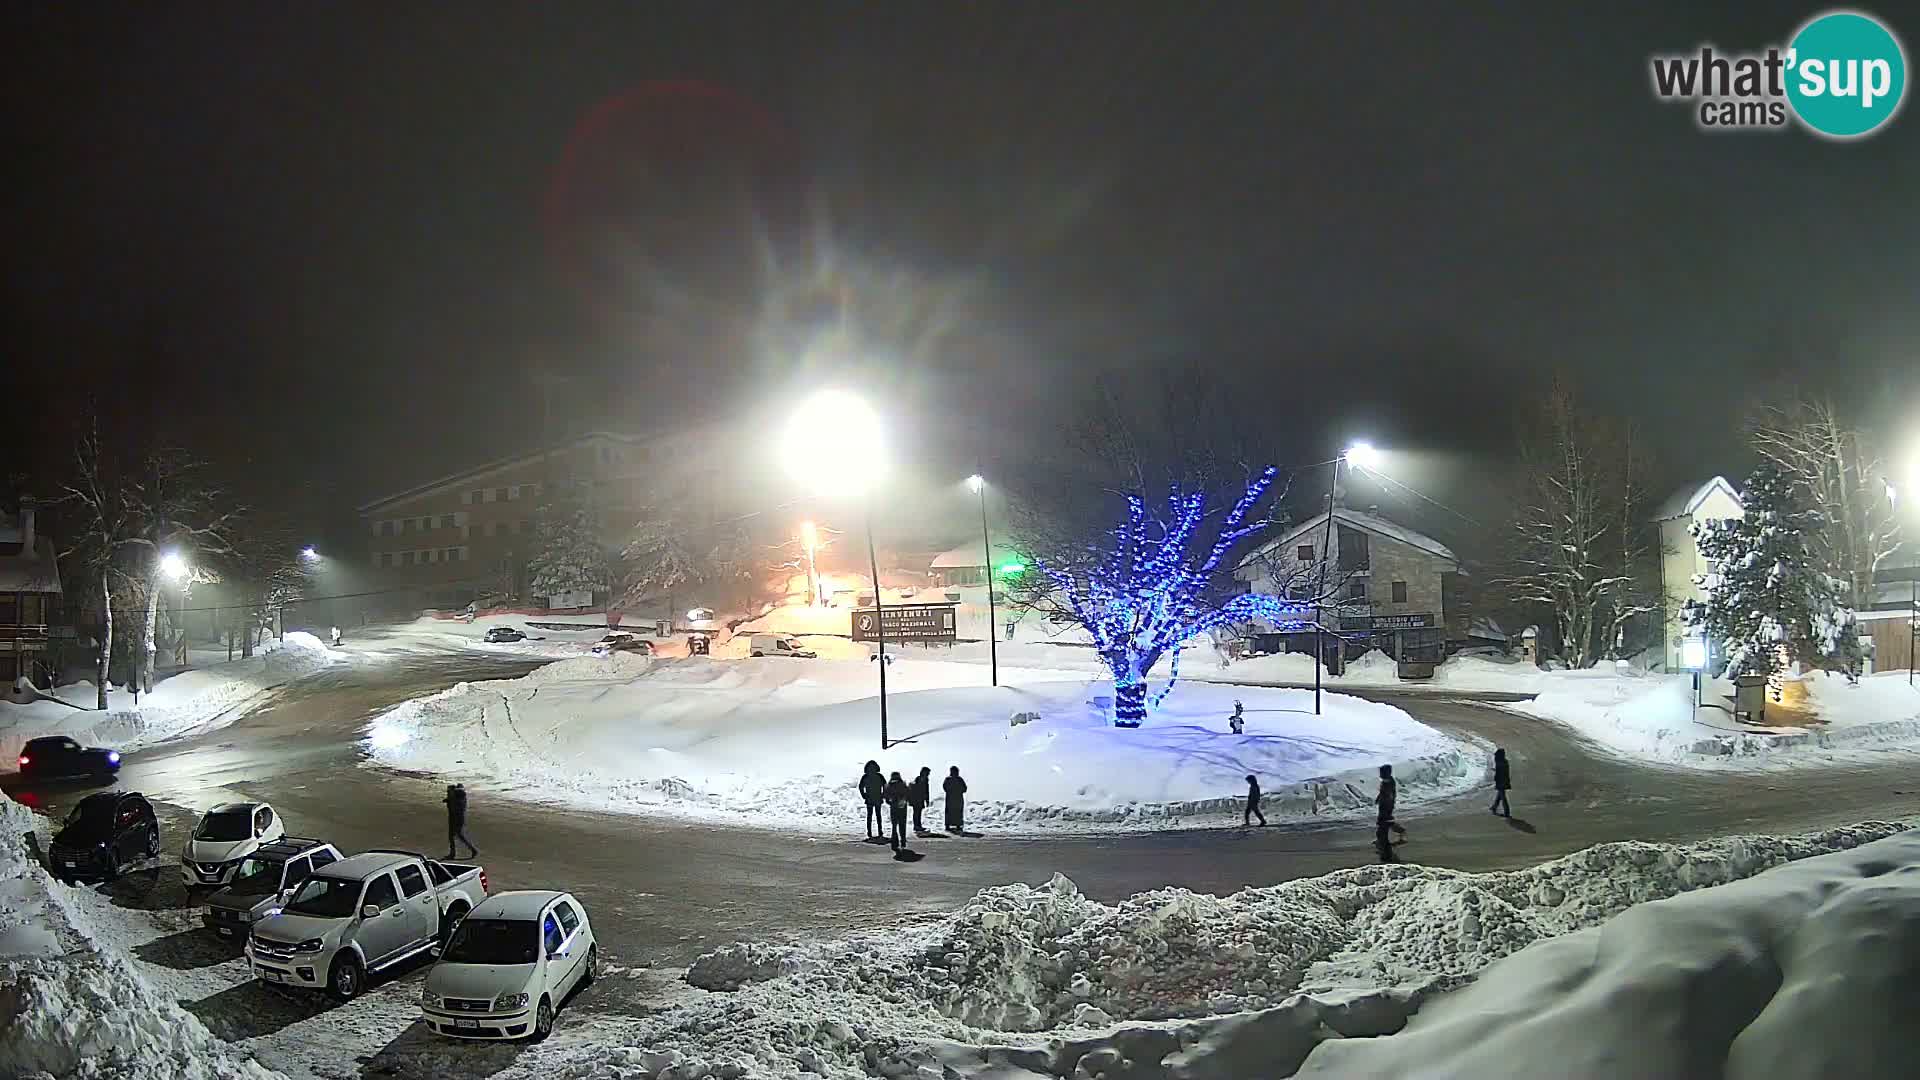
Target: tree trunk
(105, 659)
(246, 641)
(145, 655)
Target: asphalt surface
(661, 892)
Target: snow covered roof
(515, 904)
(1684, 502)
(497, 464)
(964, 555)
(34, 573)
(1372, 523)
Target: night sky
(342, 236)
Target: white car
(509, 966)
(223, 839)
(778, 645)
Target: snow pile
(190, 702)
(1467, 674)
(70, 1006)
(782, 741)
(1025, 983)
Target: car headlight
(430, 999)
(509, 1001)
(310, 945)
(113, 757)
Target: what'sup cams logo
(1843, 75)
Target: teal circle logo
(1846, 74)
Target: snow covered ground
(73, 1005)
(429, 634)
(198, 700)
(1397, 970)
(780, 742)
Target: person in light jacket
(956, 790)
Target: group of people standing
(902, 797)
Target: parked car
(778, 645)
(52, 756)
(264, 881)
(499, 634)
(227, 834)
(510, 965)
(361, 915)
(104, 833)
(621, 641)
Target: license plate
(466, 1023)
(225, 930)
(273, 976)
(68, 863)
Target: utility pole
(879, 624)
(979, 486)
(1320, 590)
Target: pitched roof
(1372, 523)
(1684, 502)
(30, 573)
(497, 464)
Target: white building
(1680, 559)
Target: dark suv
(57, 755)
(107, 831)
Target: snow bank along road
(663, 892)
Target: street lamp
(978, 485)
(173, 566)
(810, 543)
(309, 553)
(833, 445)
(1359, 453)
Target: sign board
(907, 622)
(572, 598)
(1388, 622)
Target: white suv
(223, 839)
(510, 965)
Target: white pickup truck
(361, 915)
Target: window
(1304, 553)
(460, 519)
(432, 554)
(1353, 549)
(499, 494)
(412, 881)
(513, 491)
(461, 554)
(446, 521)
(322, 858)
(1357, 591)
(480, 495)
(387, 528)
(380, 892)
(569, 919)
(1399, 592)
(262, 820)
(550, 933)
(466, 497)
(297, 873)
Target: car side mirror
(371, 911)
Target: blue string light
(1146, 596)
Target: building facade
(31, 623)
(468, 536)
(1681, 563)
(1395, 589)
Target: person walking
(873, 788)
(898, 794)
(1253, 803)
(456, 801)
(956, 790)
(919, 794)
(1502, 780)
(1385, 802)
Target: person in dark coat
(873, 788)
(1253, 803)
(956, 790)
(1502, 780)
(1385, 802)
(898, 795)
(919, 794)
(456, 801)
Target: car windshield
(258, 875)
(91, 811)
(494, 941)
(326, 898)
(225, 825)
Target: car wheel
(449, 922)
(592, 970)
(758, 653)
(153, 843)
(542, 1021)
(346, 980)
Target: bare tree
(1837, 469)
(104, 521)
(1580, 544)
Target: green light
(1013, 567)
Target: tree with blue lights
(1157, 583)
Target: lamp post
(979, 486)
(1364, 455)
(833, 445)
(810, 542)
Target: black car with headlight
(106, 832)
(56, 755)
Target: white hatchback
(223, 839)
(509, 966)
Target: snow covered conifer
(1769, 601)
(568, 556)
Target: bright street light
(173, 566)
(308, 553)
(976, 482)
(833, 444)
(1363, 454)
